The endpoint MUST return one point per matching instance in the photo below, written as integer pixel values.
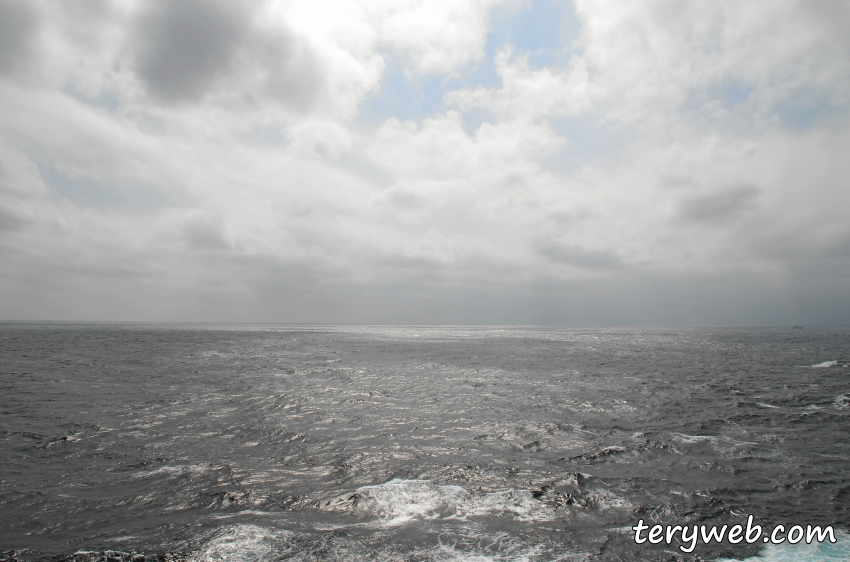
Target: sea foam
(815, 552)
(398, 501)
(824, 365)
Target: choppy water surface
(409, 443)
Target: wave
(246, 543)
(842, 402)
(691, 439)
(724, 445)
(399, 501)
(180, 470)
(815, 552)
(253, 543)
(824, 365)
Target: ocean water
(238, 443)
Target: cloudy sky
(425, 161)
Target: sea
(142, 442)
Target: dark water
(408, 443)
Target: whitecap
(842, 402)
(445, 553)
(252, 543)
(691, 439)
(399, 501)
(605, 500)
(765, 405)
(243, 543)
(815, 552)
(824, 365)
(173, 470)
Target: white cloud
(438, 36)
(235, 182)
(639, 61)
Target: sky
(605, 162)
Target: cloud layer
(206, 160)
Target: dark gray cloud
(93, 9)
(204, 235)
(187, 48)
(839, 249)
(86, 190)
(9, 221)
(18, 23)
(718, 206)
(293, 73)
(402, 197)
(833, 15)
(577, 257)
(186, 44)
